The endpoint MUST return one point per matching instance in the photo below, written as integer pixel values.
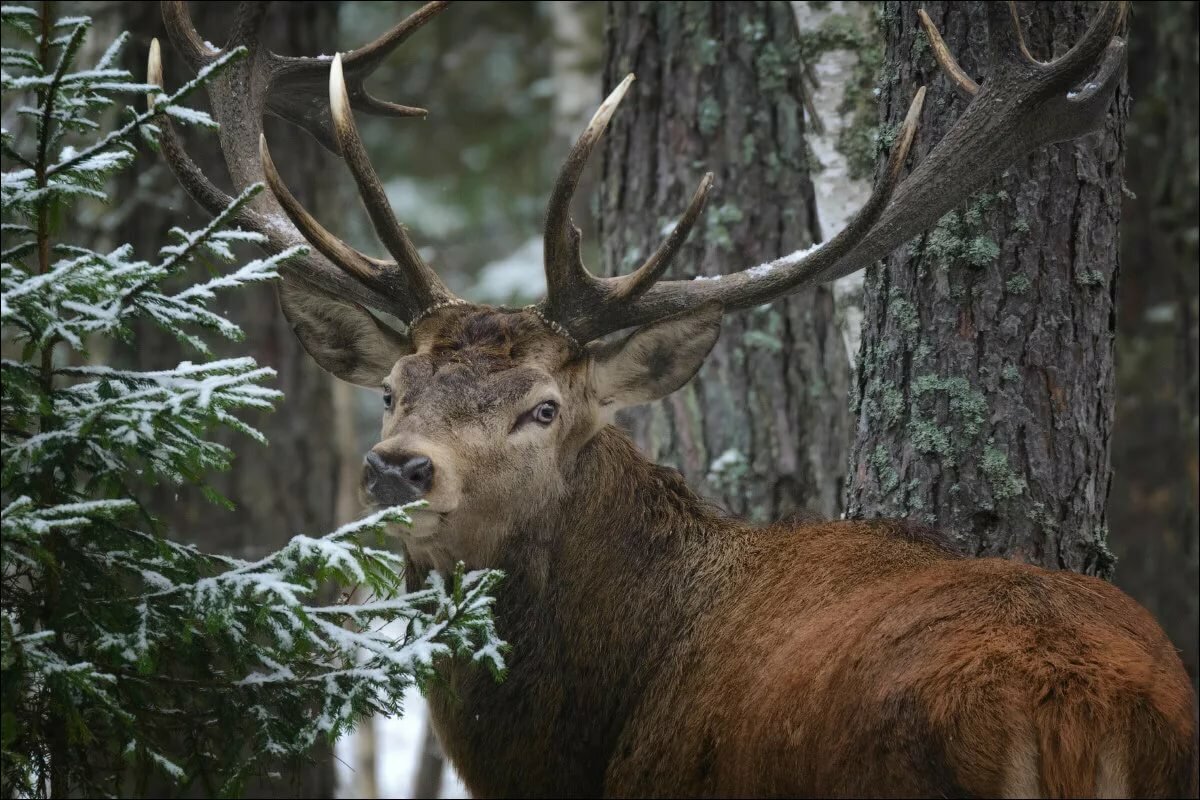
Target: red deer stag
(658, 646)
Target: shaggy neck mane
(620, 495)
(630, 540)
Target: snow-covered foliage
(126, 652)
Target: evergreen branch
(64, 61)
(111, 634)
(131, 127)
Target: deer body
(658, 647)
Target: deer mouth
(426, 522)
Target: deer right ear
(656, 359)
(343, 337)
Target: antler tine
(194, 182)
(1008, 47)
(638, 282)
(561, 238)
(1089, 106)
(292, 76)
(868, 216)
(183, 35)
(362, 61)
(359, 265)
(382, 108)
(959, 79)
(1006, 37)
(421, 281)
(1073, 66)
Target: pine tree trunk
(1153, 514)
(984, 398)
(290, 486)
(763, 428)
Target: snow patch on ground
(398, 743)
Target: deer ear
(654, 360)
(343, 337)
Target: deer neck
(626, 536)
(615, 543)
(619, 543)
(601, 593)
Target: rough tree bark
(763, 428)
(290, 486)
(1152, 513)
(984, 397)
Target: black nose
(400, 480)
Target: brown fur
(660, 648)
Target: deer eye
(544, 413)
(387, 398)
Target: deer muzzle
(398, 479)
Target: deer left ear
(343, 337)
(654, 360)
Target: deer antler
(1023, 105)
(292, 88)
(569, 284)
(408, 275)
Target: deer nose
(406, 478)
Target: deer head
(485, 410)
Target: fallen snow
(398, 743)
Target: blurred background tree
(1153, 522)
(509, 85)
(763, 428)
